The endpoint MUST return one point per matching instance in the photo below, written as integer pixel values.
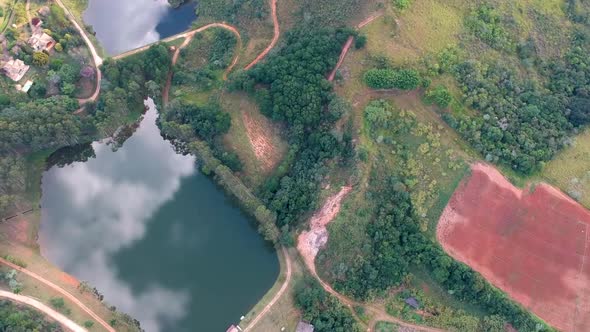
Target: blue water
(123, 25)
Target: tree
(439, 96)
(405, 79)
(360, 41)
(40, 58)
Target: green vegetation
(126, 84)
(570, 169)
(398, 243)
(323, 310)
(233, 11)
(298, 69)
(328, 12)
(439, 96)
(10, 279)
(402, 4)
(201, 65)
(486, 23)
(404, 79)
(20, 318)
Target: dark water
(157, 238)
(122, 25)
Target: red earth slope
(531, 243)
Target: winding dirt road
(95, 57)
(349, 43)
(59, 290)
(188, 36)
(61, 319)
(275, 38)
(277, 295)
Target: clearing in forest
(532, 243)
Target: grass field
(570, 169)
(386, 327)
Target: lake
(160, 240)
(123, 25)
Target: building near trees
(15, 69)
(40, 41)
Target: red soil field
(531, 243)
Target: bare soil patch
(310, 242)
(532, 243)
(259, 136)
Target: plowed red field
(531, 243)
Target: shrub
(402, 4)
(439, 96)
(88, 324)
(57, 302)
(360, 41)
(404, 79)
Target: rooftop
(304, 327)
(15, 69)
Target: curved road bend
(61, 319)
(275, 38)
(277, 295)
(95, 57)
(59, 290)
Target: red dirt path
(531, 243)
(275, 38)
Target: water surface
(156, 237)
(123, 25)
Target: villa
(15, 69)
(40, 41)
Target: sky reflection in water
(157, 238)
(111, 202)
(123, 25)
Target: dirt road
(59, 290)
(188, 36)
(275, 38)
(277, 295)
(348, 43)
(61, 319)
(95, 57)
(310, 242)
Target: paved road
(59, 290)
(63, 320)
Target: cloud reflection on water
(130, 24)
(112, 198)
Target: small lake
(158, 239)
(123, 25)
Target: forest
(299, 69)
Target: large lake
(156, 237)
(123, 25)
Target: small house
(15, 69)
(36, 22)
(304, 327)
(232, 328)
(40, 41)
(44, 11)
(412, 302)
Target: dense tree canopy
(296, 92)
